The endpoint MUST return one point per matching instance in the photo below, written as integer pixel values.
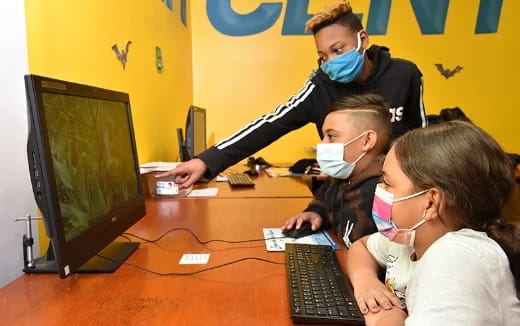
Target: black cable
(125, 237)
(196, 238)
(191, 273)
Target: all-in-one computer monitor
(84, 172)
(194, 141)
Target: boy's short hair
(337, 13)
(368, 111)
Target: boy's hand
(297, 220)
(187, 173)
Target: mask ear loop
(360, 157)
(421, 222)
(359, 43)
(418, 224)
(411, 196)
(355, 138)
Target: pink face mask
(382, 215)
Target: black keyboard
(318, 290)
(240, 180)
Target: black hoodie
(346, 205)
(398, 81)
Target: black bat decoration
(447, 73)
(122, 55)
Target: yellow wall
(484, 87)
(239, 78)
(72, 40)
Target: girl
(450, 258)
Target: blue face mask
(346, 67)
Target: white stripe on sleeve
(280, 111)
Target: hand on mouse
(297, 220)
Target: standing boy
(347, 67)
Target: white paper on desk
(221, 178)
(275, 241)
(278, 172)
(157, 166)
(205, 192)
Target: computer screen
(84, 171)
(195, 140)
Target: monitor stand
(117, 251)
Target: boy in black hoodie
(347, 67)
(357, 133)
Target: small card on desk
(194, 259)
(275, 240)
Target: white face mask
(330, 159)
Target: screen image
(93, 168)
(195, 131)
(199, 131)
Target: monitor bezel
(70, 255)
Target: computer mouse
(304, 230)
(251, 172)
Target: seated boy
(357, 131)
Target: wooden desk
(265, 187)
(245, 293)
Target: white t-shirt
(395, 259)
(462, 279)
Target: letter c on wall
(227, 21)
